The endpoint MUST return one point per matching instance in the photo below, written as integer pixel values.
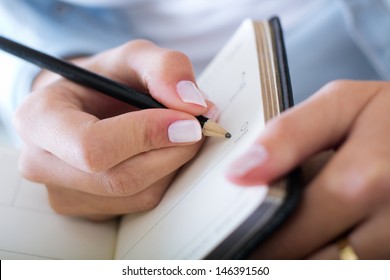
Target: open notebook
(202, 215)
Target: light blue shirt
(346, 40)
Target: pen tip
(228, 135)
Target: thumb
(322, 122)
(139, 132)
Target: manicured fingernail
(213, 113)
(189, 93)
(254, 157)
(184, 131)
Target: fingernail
(213, 113)
(189, 93)
(254, 157)
(184, 131)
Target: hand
(99, 157)
(350, 195)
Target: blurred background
(5, 77)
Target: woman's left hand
(350, 196)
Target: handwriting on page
(244, 130)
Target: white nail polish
(249, 160)
(189, 93)
(184, 131)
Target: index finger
(54, 121)
(166, 74)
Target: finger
(127, 178)
(166, 74)
(369, 240)
(321, 216)
(49, 121)
(315, 125)
(351, 187)
(75, 203)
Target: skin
(340, 135)
(67, 129)
(350, 193)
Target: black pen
(97, 82)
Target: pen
(99, 83)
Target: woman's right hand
(100, 157)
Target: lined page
(201, 207)
(31, 230)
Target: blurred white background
(6, 70)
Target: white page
(31, 230)
(201, 207)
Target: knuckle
(336, 86)
(149, 202)
(374, 185)
(167, 57)
(149, 134)
(129, 47)
(152, 135)
(363, 184)
(59, 208)
(58, 203)
(114, 185)
(89, 152)
(369, 179)
(121, 182)
(341, 89)
(337, 92)
(152, 196)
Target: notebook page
(31, 230)
(201, 207)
